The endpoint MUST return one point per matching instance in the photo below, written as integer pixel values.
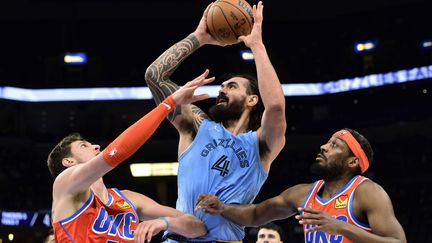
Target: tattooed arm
(186, 118)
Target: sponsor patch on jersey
(123, 204)
(341, 201)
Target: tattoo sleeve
(158, 74)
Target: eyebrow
(230, 82)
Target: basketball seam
(213, 25)
(226, 19)
(246, 16)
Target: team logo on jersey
(341, 201)
(123, 204)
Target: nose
(96, 147)
(223, 89)
(323, 147)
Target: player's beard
(227, 111)
(327, 171)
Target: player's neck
(332, 187)
(240, 125)
(100, 190)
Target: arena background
(308, 42)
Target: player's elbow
(149, 75)
(276, 109)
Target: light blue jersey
(224, 165)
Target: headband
(355, 147)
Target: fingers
(201, 97)
(257, 12)
(308, 210)
(201, 79)
(203, 201)
(316, 228)
(146, 230)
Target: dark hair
(275, 227)
(61, 151)
(252, 89)
(48, 234)
(365, 145)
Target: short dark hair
(275, 227)
(365, 145)
(61, 151)
(252, 89)
(48, 234)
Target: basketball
(229, 19)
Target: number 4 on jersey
(222, 165)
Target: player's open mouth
(319, 157)
(221, 100)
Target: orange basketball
(229, 19)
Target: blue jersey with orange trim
(339, 205)
(96, 221)
(222, 164)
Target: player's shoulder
(127, 192)
(369, 185)
(369, 190)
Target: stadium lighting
(154, 169)
(247, 55)
(75, 58)
(365, 46)
(427, 44)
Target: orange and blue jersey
(96, 221)
(339, 205)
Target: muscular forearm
(240, 214)
(268, 81)
(358, 235)
(158, 73)
(187, 225)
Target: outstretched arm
(79, 177)
(273, 124)
(374, 202)
(279, 207)
(158, 218)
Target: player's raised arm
(273, 125)
(82, 172)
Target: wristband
(169, 103)
(165, 220)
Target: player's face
(268, 236)
(330, 161)
(231, 101)
(83, 151)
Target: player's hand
(147, 229)
(209, 203)
(203, 34)
(255, 37)
(321, 220)
(186, 94)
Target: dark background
(308, 41)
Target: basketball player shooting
(233, 149)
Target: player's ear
(68, 162)
(353, 161)
(252, 100)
